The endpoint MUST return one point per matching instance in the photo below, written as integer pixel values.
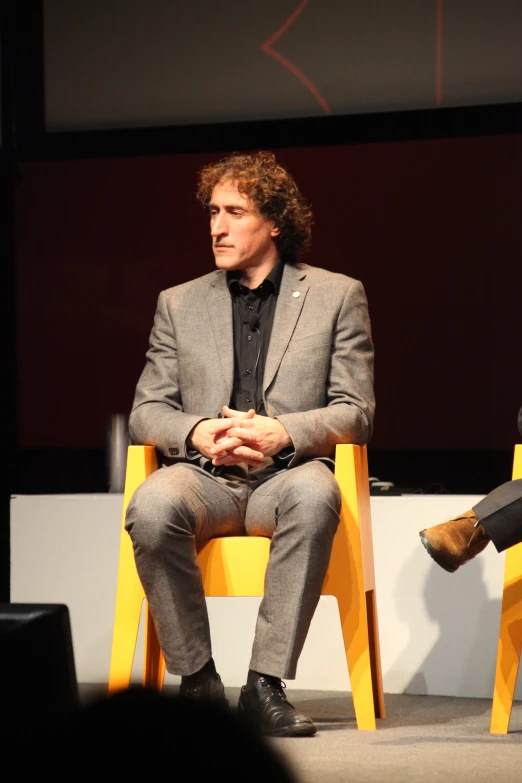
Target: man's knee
(314, 483)
(315, 492)
(152, 513)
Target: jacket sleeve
(157, 417)
(349, 412)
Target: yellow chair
(510, 635)
(235, 566)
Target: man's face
(241, 237)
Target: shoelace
(477, 533)
(276, 687)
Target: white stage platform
(438, 631)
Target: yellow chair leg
(128, 612)
(509, 643)
(345, 580)
(362, 481)
(141, 461)
(375, 654)
(510, 635)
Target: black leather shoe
(204, 686)
(265, 706)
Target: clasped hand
(239, 437)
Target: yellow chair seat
(235, 566)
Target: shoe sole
(291, 731)
(433, 554)
(297, 730)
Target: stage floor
(423, 738)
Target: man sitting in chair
(254, 373)
(497, 518)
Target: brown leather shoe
(265, 707)
(453, 543)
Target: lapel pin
(296, 294)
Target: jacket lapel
(219, 305)
(292, 294)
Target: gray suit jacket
(319, 369)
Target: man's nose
(219, 225)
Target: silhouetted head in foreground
(142, 730)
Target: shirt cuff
(285, 455)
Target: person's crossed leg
(497, 518)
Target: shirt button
(249, 337)
(249, 372)
(249, 399)
(250, 307)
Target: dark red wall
(432, 228)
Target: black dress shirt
(253, 317)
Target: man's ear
(275, 231)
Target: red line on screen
(266, 47)
(438, 52)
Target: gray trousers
(181, 506)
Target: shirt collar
(272, 281)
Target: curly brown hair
(271, 188)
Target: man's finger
(231, 460)
(226, 424)
(231, 413)
(231, 441)
(232, 444)
(246, 452)
(226, 444)
(243, 431)
(222, 426)
(241, 454)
